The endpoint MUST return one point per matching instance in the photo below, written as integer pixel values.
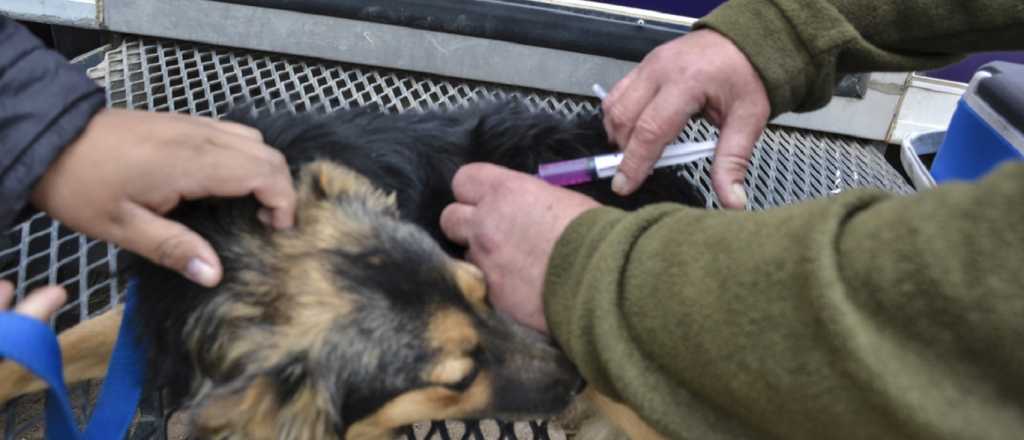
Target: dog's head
(355, 323)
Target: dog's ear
(324, 180)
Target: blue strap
(122, 388)
(32, 344)
(35, 347)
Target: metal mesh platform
(789, 165)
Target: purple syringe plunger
(568, 172)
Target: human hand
(129, 168)
(40, 304)
(702, 70)
(510, 221)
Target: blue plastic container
(987, 128)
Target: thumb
(732, 157)
(172, 245)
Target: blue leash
(32, 344)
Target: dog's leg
(583, 421)
(622, 416)
(86, 350)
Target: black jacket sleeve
(45, 103)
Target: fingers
(266, 171)
(618, 90)
(702, 71)
(240, 130)
(254, 169)
(474, 181)
(471, 184)
(228, 126)
(169, 244)
(6, 294)
(39, 304)
(624, 105)
(278, 197)
(42, 302)
(661, 121)
(455, 222)
(740, 132)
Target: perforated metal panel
(788, 165)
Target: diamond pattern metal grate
(789, 165)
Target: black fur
(417, 154)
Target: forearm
(799, 46)
(45, 103)
(863, 316)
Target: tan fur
(320, 224)
(86, 350)
(317, 303)
(471, 282)
(452, 332)
(338, 181)
(583, 421)
(307, 303)
(419, 405)
(298, 285)
(251, 413)
(622, 416)
(305, 416)
(253, 410)
(450, 370)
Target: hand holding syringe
(576, 171)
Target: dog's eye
(466, 381)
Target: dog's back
(415, 155)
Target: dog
(362, 319)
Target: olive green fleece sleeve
(864, 316)
(799, 46)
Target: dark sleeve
(863, 316)
(45, 103)
(799, 46)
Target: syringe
(587, 169)
(577, 171)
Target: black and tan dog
(360, 319)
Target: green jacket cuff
(762, 32)
(566, 320)
(570, 314)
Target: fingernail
(265, 216)
(200, 272)
(739, 194)
(620, 184)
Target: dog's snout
(533, 376)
